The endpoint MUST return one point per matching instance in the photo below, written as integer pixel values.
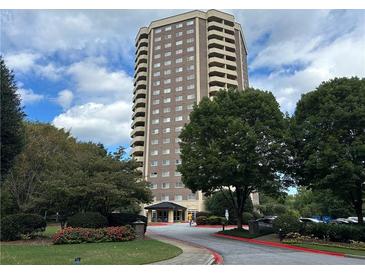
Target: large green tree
(328, 133)
(55, 173)
(235, 143)
(11, 116)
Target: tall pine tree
(12, 115)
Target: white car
(310, 220)
(353, 220)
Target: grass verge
(345, 250)
(120, 253)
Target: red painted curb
(280, 245)
(218, 259)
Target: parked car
(340, 221)
(353, 220)
(310, 220)
(266, 222)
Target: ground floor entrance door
(179, 216)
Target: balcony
(143, 42)
(138, 141)
(140, 67)
(138, 159)
(215, 24)
(219, 35)
(216, 61)
(137, 151)
(140, 84)
(218, 81)
(138, 131)
(141, 50)
(139, 93)
(138, 112)
(142, 75)
(141, 60)
(138, 121)
(223, 70)
(140, 102)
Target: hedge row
(16, 225)
(212, 220)
(78, 235)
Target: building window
(177, 162)
(157, 47)
(178, 60)
(166, 151)
(190, 58)
(190, 77)
(190, 40)
(168, 36)
(153, 174)
(165, 162)
(154, 152)
(166, 141)
(191, 106)
(178, 197)
(156, 101)
(156, 111)
(156, 83)
(177, 173)
(166, 130)
(178, 89)
(157, 30)
(190, 31)
(156, 74)
(167, 28)
(192, 196)
(167, 63)
(179, 69)
(180, 25)
(167, 72)
(179, 79)
(167, 54)
(164, 198)
(190, 68)
(155, 131)
(167, 45)
(192, 86)
(190, 96)
(177, 140)
(167, 81)
(178, 129)
(165, 173)
(156, 65)
(156, 92)
(178, 98)
(179, 185)
(167, 110)
(157, 56)
(178, 118)
(190, 22)
(167, 100)
(179, 51)
(178, 34)
(158, 39)
(167, 120)
(153, 186)
(179, 108)
(165, 185)
(167, 90)
(177, 150)
(154, 142)
(154, 163)
(178, 43)
(190, 49)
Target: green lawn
(241, 233)
(350, 251)
(132, 252)
(51, 229)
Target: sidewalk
(192, 255)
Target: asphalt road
(241, 253)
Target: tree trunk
(239, 220)
(359, 213)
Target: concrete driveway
(236, 252)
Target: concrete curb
(216, 258)
(280, 245)
(355, 256)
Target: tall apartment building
(179, 60)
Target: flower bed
(71, 235)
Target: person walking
(190, 218)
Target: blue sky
(74, 68)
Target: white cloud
(105, 123)
(65, 98)
(29, 97)
(21, 62)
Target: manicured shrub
(257, 215)
(215, 220)
(203, 213)
(87, 220)
(287, 223)
(247, 216)
(120, 219)
(71, 235)
(201, 220)
(13, 226)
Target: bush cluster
(247, 216)
(203, 214)
(120, 219)
(16, 225)
(287, 223)
(212, 220)
(71, 235)
(335, 232)
(87, 220)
